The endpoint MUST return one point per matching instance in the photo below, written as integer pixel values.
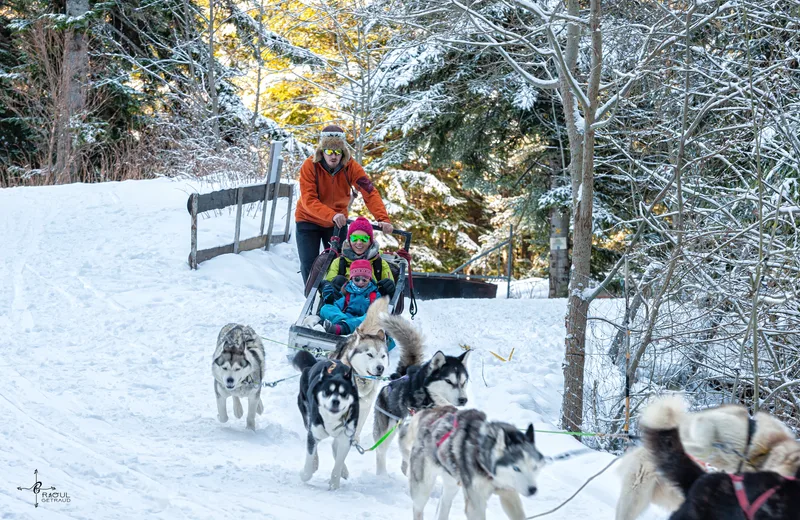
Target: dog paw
(305, 476)
(251, 425)
(334, 483)
(222, 418)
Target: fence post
(275, 185)
(264, 208)
(273, 180)
(239, 195)
(287, 230)
(510, 253)
(193, 257)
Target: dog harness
(448, 433)
(749, 509)
(737, 480)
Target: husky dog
(467, 450)
(238, 368)
(416, 385)
(328, 402)
(366, 351)
(715, 436)
(759, 495)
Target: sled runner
(321, 343)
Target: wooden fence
(272, 190)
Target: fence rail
(272, 190)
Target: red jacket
(323, 195)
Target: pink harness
(448, 434)
(749, 509)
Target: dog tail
(304, 359)
(660, 424)
(664, 413)
(372, 321)
(409, 338)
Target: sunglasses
(360, 238)
(332, 152)
(360, 279)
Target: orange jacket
(323, 195)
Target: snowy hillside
(106, 339)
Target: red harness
(448, 434)
(749, 509)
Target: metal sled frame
(320, 343)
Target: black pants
(309, 237)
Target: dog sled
(322, 343)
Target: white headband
(340, 135)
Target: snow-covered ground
(106, 338)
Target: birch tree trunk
(71, 100)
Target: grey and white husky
(366, 351)
(238, 369)
(415, 385)
(466, 450)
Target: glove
(328, 292)
(386, 287)
(338, 282)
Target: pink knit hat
(361, 268)
(360, 224)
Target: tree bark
(212, 85)
(559, 241)
(71, 100)
(582, 173)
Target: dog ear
(437, 361)
(381, 334)
(529, 434)
(464, 357)
(351, 375)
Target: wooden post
(239, 194)
(627, 353)
(274, 204)
(193, 257)
(287, 231)
(264, 208)
(510, 254)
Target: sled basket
(321, 343)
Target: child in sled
(360, 245)
(342, 315)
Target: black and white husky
(366, 351)
(466, 450)
(716, 436)
(328, 402)
(759, 495)
(238, 368)
(415, 385)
